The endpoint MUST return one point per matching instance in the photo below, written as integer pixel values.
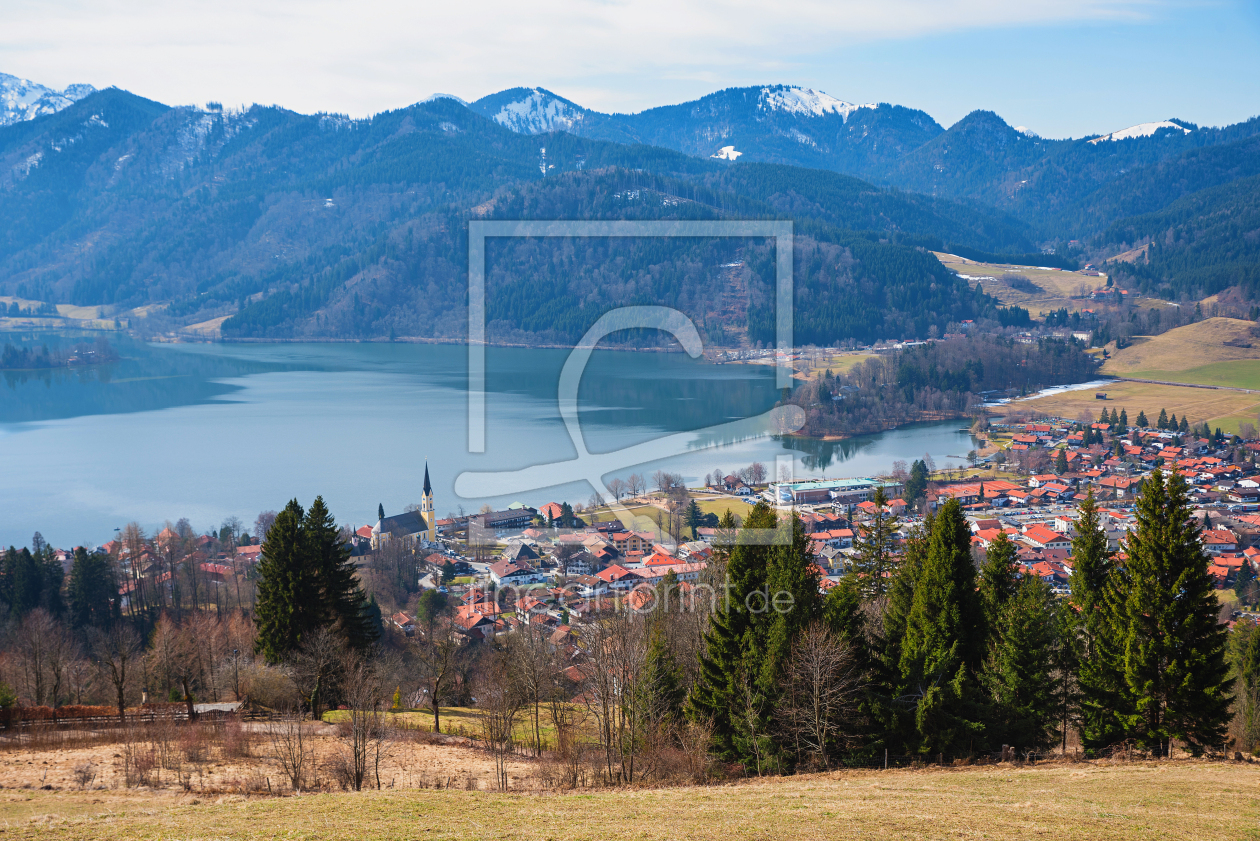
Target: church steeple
(426, 507)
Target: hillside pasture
(1070, 801)
(1226, 409)
(1177, 354)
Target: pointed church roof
(428, 489)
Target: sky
(1063, 68)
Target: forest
(936, 381)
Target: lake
(205, 431)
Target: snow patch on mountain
(726, 153)
(805, 102)
(22, 99)
(1026, 131)
(537, 113)
(1140, 130)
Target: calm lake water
(205, 431)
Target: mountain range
(22, 99)
(278, 224)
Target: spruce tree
(1103, 416)
(1174, 665)
(1114, 420)
(1173, 426)
(772, 595)
(1092, 583)
(715, 696)
(344, 604)
(1162, 423)
(1244, 657)
(288, 606)
(1018, 673)
(1060, 462)
(1141, 420)
(999, 579)
(875, 545)
(1184, 427)
(892, 707)
(1124, 419)
(90, 590)
(694, 517)
(943, 647)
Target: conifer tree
(91, 585)
(772, 595)
(1173, 426)
(344, 603)
(694, 518)
(306, 581)
(999, 579)
(1060, 462)
(892, 707)
(875, 546)
(1174, 665)
(1124, 419)
(288, 605)
(1115, 419)
(1103, 416)
(1141, 420)
(663, 680)
(1244, 657)
(1018, 672)
(1184, 426)
(1162, 423)
(943, 647)
(1096, 637)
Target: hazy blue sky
(1059, 67)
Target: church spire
(428, 489)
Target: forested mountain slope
(1066, 189)
(321, 226)
(1199, 245)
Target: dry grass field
(1176, 799)
(1193, 346)
(1225, 409)
(1058, 289)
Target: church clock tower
(426, 507)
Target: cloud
(364, 57)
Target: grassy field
(1068, 801)
(1058, 289)
(1240, 373)
(458, 721)
(1225, 409)
(708, 505)
(1189, 348)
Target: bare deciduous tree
(436, 650)
(823, 688)
(118, 650)
(499, 703)
(292, 746)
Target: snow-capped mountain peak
(537, 111)
(22, 99)
(1140, 130)
(804, 102)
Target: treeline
(14, 358)
(946, 660)
(935, 381)
(922, 651)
